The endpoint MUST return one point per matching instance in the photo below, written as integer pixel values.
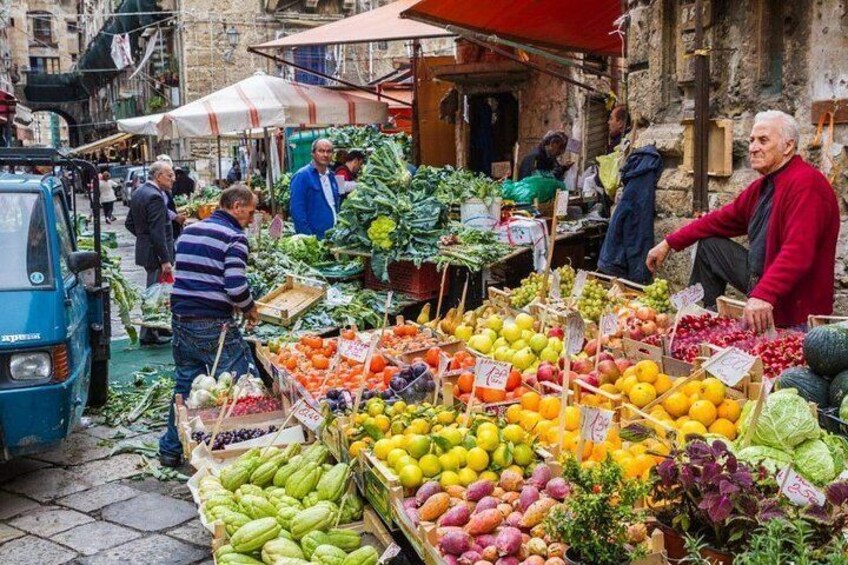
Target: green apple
(494, 322)
(463, 332)
(549, 355)
(492, 334)
(527, 335)
(538, 342)
(511, 332)
(523, 358)
(555, 343)
(519, 345)
(502, 353)
(500, 342)
(524, 321)
(481, 342)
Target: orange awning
(404, 94)
(379, 24)
(563, 25)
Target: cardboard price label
(609, 324)
(353, 349)
(688, 296)
(491, 374)
(595, 423)
(579, 283)
(335, 297)
(308, 416)
(390, 553)
(575, 328)
(554, 290)
(730, 366)
(798, 490)
(561, 207)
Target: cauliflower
(380, 231)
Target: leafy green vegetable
(470, 248)
(785, 422)
(772, 459)
(380, 232)
(367, 138)
(814, 462)
(306, 248)
(460, 186)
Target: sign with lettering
(730, 366)
(390, 553)
(308, 416)
(595, 423)
(353, 349)
(579, 283)
(798, 489)
(335, 297)
(688, 296)
(575, 328)
(609, 324)
(491, 374)
(555, 291)
(561, 206)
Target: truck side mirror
(80, 261)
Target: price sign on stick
(579, 283)
(798, 489)
(595, 423)
(353, 349)
(730, 366)
(555, 291)
(390, 553)
(688, 296)
(308, 416)
(491, 374)
(561, 207)
(575, 329)
(609, 323)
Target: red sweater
(800, 240)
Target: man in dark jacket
(544, 157)
(148, 221)
(184, 184)
(631, 230)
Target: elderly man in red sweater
(791, 218)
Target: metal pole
(416, 129)
(702, 109)
(268, 180)
(220, 175)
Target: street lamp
(233, 36)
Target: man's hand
(759, 315)
(252, 317)
(167, 268)
(180, 219)
(657, 255)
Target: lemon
(418, 446)
(713, 390)
(647, 371)
(691, 427)
(513, 433)
(522, 454)
(487, 427)
(403, 462)
(642, 394)
(488, 476)
(430, 465)
(411, 476)
(703, 411)
(502, 456)
(394, 455)
(467, 476)
(488, 440)
(723, 427)
(382, 448)
(375, 407)
(461, 454)
(452, 435)
(356, 447)
(383, 423)
(513, 413)
(529, 420)
(477, 459)
(448, 478)
(572, 418)
(449, 461)
(643, 462)
(677, 404)
(729, 410)
(398, 407)
(628, 383)
(446, 417)
(420, 426)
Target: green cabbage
(838, 447)
(772, 459)
(785, 422)
(814, 462)
(301, 247)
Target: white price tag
(798, 489)
(765, 387)
(579, 283)
(688, 296)
(353, 349)
(275, 230)
(491, 374)
(609, 324)
(595, 423)
(308, 416)
(391, 552)
(576, 327)
(554, 290)
(561, 206)
(444, 361)
(730, 366)
(335, 297)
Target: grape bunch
(530, 288)
(566, 280)
(657, 296)
(593, 300)
(227, 437)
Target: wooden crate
(287, 302)
(379, 485)
(720, 141)
(816, 321)
(729, 307)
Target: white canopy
(141, 125)
(266, 101)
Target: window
(24, 243)
(312, 57)
(44, 65)
(66, 246)
(42, 27)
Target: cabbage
(838, 447)
(301, 247)
(772, 459)
(786, 421)
(814, 462)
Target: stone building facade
(764, 54)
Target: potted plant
(704, 491)
(794, 540)
(599, 520)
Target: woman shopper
(107, 196)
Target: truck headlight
(33, 366)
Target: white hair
(788, 125)
(166, 158)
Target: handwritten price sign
(555, 291)
(353, 349)
(798, 490)
(688, 296)
(491, 374)
(576, 328)
(595, 423)
(609, 324)
(561, 203)
(730, 366)
(579, 283)
(308, 416)
(391, 552)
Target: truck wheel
(98, 386)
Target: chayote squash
(352, 509)
(254, 534)
(257, 507)
(311, 499)
(311, 541)
(283, 473)
(235, 475)
(238, 559)
(278, 548)
(348, 540)
(319, 517)
(333, 483)
(285, 515)
(264, 474)
(316, 453)
(303, 481)
(363, 556)
(328, 555)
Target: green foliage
(367, 138)
(791, 541)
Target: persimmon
(432, 356)
(320, 361)
(349, 334)
(312, 341)
(465, 382)
(513, 381)
(378, 363)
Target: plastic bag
(156, 300)
(608, 171)
(537, 187)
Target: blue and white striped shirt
(210, 278)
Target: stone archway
(74, 113)
(51, 129)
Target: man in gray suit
(148, 221)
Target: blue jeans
(195, 343)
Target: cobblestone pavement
(78, 505)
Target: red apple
(545, 372)
(622, 364)
(582, 366)
(608, 368)
(636, 335)
(556, 332)
(591, 347)
(590, 379)
(605, 356)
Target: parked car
(119, 175)
(132, 180)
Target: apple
(636, 335)
(649, 327)
(511, 332)
(645, 313)
(591, 347)
(494, 323)
(623, 364)
(609, 369)
(556, 332)
(546, 372)
(589, 379)
(582, 366)
(605, 356)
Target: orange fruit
(723, 427)
(676, 405)
(465, 382)
(713, 390)
(491, 395)
(572, 418)
(642, 394)
(692, 388)
(729, 410)
(647, 371)
(692, 427)
(663, 383)
(530, 401)
(513, 413)
(529, 420)
(628, 383)
(549, 407)
(703, 411)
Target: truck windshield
(24, 243)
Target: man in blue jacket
(314, 193)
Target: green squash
(809, 385)
(826, 349)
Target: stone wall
(745, 78)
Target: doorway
(494, 129)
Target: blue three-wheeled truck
(54, 305)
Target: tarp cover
(564, 25)
(266, 101)
(379, 24)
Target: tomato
(491, 395)
(378, 363)
(465, 382)
(513, 381)
(432, 356)
(319, 361)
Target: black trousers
(150, 334)
(719, 262)
(108, 207)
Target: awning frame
(108, 141)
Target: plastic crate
(830, 421)
(422, 283)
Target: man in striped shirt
(210, 286)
